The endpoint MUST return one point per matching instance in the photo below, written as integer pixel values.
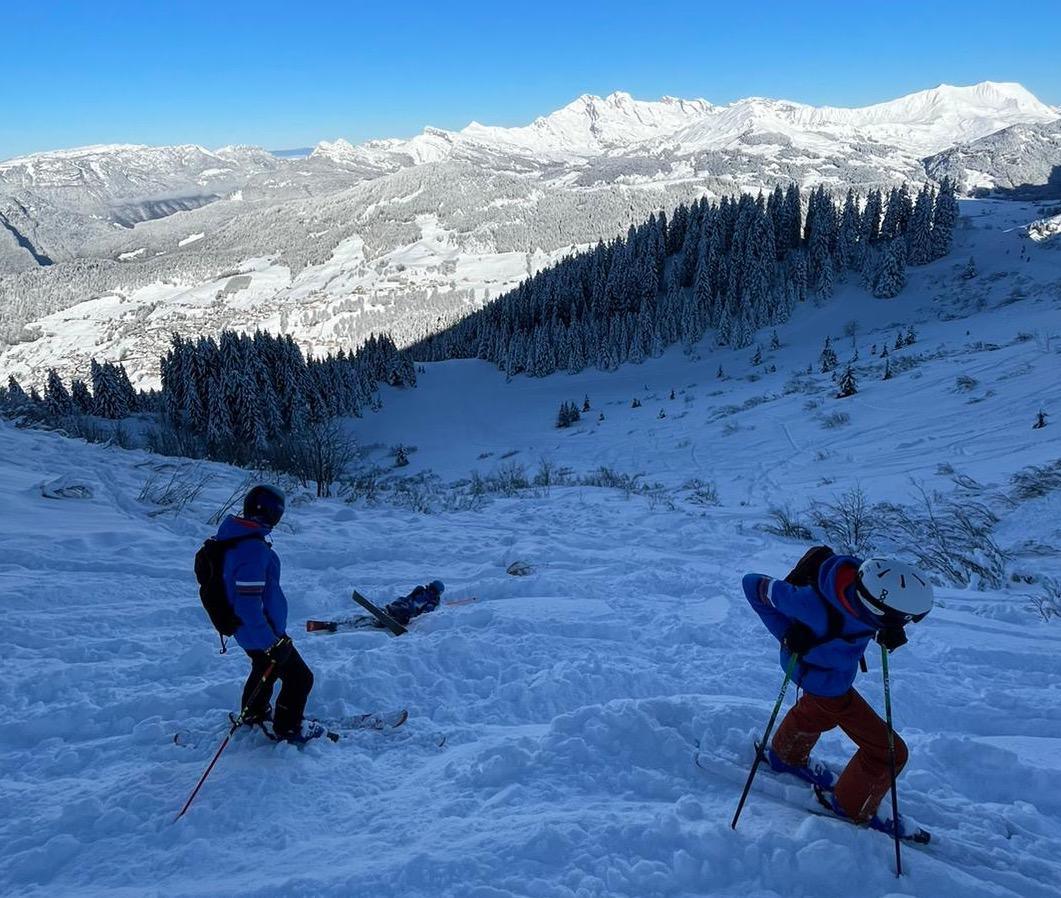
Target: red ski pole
(236, 724)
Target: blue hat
(437, 586)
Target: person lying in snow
(826, 611)
(420, 601)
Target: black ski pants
(296, 682)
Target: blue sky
(289, 74)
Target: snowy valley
(553, 721)
(107, 250)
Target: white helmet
(893, 590)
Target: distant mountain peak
(918, 124)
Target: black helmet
(264, 503)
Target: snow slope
(570, 700)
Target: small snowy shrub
(610, 479)
(364, 484)
(849, 521)
(173, 493)
(949, 535)
(785, 522)
(167, 440)
(548, 474)
(509, 479)
(834, 420)
(701, 492)
(1036, 481)
(1048, 603)
(963, 383)
(89, 429)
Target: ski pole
(236, 724)
(766, 738)
(891, 757)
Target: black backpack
(209, 571)
(805, 573)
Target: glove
(280, 650)
(805, 573)
(800, 639)
(891, 637)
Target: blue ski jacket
(831, 609)
(252, 583)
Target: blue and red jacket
(252, 583)
(831, 609)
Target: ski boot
(909, 831)
(815, 773)
(309, 731)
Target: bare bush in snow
(787, 523)
(173, 492)
(949, 535)
(848, 522)
(1036, 481)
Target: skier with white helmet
(825, 612)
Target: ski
(780, 791)
(385, 619)
(357, 622)
(453, 603)
(367, 621)
(333, 729)
(388, 720)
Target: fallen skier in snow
(825, 612)
(394, 616)
(420, 601)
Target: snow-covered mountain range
(105, 250)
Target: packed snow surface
(552, 722)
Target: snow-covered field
(570, 700)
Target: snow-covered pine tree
(847, 385)
(919, 233)
(107, 394)
(16, 397)
(828, 361)
(56, 397)
(775, 342)
(944, 219)
(81, 397)
(871, 217)
(890, 276)
(219, 436)
(792, 215)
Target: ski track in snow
(571, 700)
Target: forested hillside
(731, 266)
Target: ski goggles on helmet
(889, 615)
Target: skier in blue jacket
(826, 611)
(252, 585)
